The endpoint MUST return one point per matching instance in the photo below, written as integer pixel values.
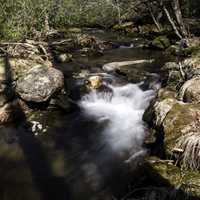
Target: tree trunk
(171, 21)
(153, 17)
(179, 18)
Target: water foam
(122, 110)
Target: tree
(177, 23)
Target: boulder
(160, 107)
(94, 82)
(181, 120)
(20, 66)
(39, 83)
(190, 91)
(175, 123)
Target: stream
(88, 154)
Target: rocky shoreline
(174, 119)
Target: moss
(74, 30)
(161, 42)
(173, 50)
(186, 180)
(193, 51)
(179, 117)
(122, 26)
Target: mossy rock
(161, 42)
(159, 107)
(187, 181)
(178, 122)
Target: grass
(189, 142)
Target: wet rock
(94, 82)
(190, 91)
(108, 67)
(40, 83)
(161, 42)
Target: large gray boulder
(40, 83)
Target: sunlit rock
(94, 82)
(108, 67)
(159, 108)
(40, 83)
(190, 91)
(20, 66)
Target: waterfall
(122, 110)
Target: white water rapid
(122, 112)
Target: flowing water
(122, 110)
(89, 153)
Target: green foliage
(161, 42)
(20, 18)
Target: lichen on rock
(40, 83)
